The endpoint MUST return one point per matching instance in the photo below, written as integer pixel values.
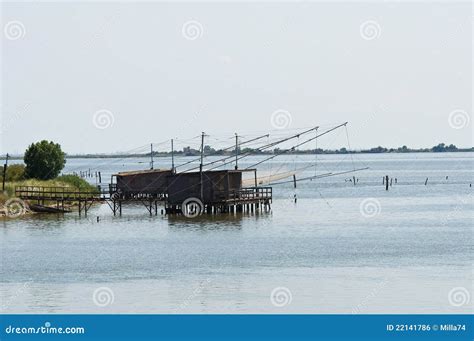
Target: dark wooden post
(386, 182)
(200, 167)
(236, 151)
(5, 172)
(173, 170)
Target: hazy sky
(400, 73)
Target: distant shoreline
(195, 153)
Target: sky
(100, 77)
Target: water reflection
(216, 222)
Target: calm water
(340, 249)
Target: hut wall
(235, 180)
(150, 183)
(216, 186)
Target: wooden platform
(245, 199)
(69, 194)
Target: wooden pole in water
(236, 150)
(294, 180)
(200, 165)
(386, 182)
(151, 155)
(426, 181)
(5, 172)
(172, 157)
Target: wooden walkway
(246, 199)
(61, 195)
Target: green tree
(439, 148)
(44, 160)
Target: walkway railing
(56, 193)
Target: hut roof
(219, 171)
(147, 171)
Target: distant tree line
(209, 151)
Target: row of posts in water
(89, 174)
(389, 182)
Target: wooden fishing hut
(213, 191)
(148, 187)
(142, 183)
(216, 191)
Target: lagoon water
(340, 249)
